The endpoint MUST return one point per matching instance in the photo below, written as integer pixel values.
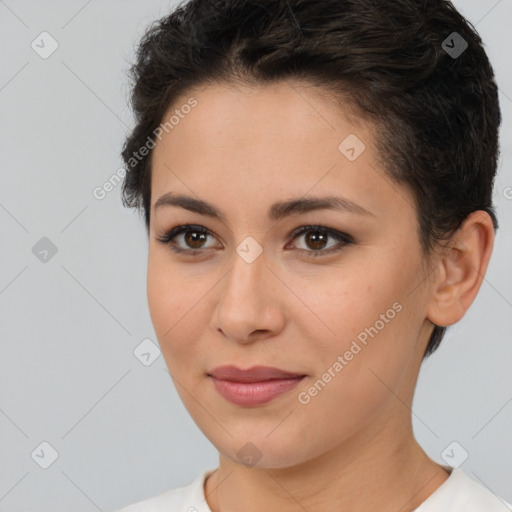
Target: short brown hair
(437, 113)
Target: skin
(242, 149)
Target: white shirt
(458, 493)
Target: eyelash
(167, 238)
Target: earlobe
(462, 264)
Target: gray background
(69, 326)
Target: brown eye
(186, 238)
(194, 239)
(316, 240)
(191, 239)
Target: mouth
(255, 386)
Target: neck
(390, 473)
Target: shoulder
(460, 493)
(189, 498)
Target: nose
(248, 308)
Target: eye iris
(321, 238)
(192, 240)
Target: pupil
(316, 234)
(192, 242)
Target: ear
(461, 266)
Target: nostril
(257, 332)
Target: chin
(264, 452)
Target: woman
(316, 182)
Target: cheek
(344, 302)
(167, 299)
(162, 297)
(177, 303)
(365, 316)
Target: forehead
(270, 113)
(271, 141)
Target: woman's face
(247, 290)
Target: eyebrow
(276, 212)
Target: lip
(254, 386)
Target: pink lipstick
(255, 386)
